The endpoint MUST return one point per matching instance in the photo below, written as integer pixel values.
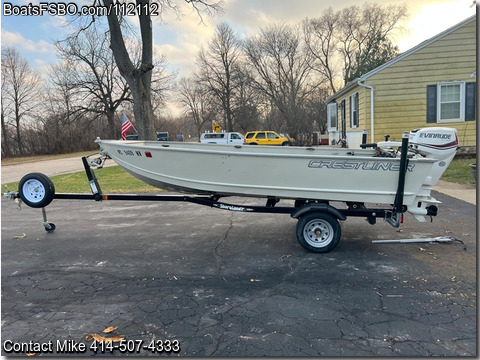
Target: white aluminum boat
(397, 181)
(300, 173)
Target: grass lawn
(111, 180)
(459, 171)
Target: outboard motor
(438, 143)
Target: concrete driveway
(234, 284)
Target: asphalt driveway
(209, 282)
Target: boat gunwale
(165, 146)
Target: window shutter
(352, 120)
(431, 104)
(358, 109)
(470, 101)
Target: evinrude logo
(356, 165)
(435, 136)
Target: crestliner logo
(356, 165)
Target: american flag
(126, 125)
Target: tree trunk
(112, 124)
(17, 123)
(142, 107)
(5, 140)
(138, 79)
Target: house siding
(354, 136)
(400, 99)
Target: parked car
(267, 138)
(163, 136)
(229, 138)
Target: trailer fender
(310, 208)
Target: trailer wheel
(318, 232)
(36, 190)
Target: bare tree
(99, 87)
(282, 70)
(316, 109)
(247, 103)
(63, 107)
(322, 43)
(162, 84)
(347, 39)
(362, 28)
(21, 90)
(60, 109)
(139, 75)
(196, 102)
(219, 69)
(5, 112)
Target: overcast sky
(180, 39)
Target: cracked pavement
(237, 284)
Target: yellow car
(266, 138)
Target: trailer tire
(36, 190)
(318, 232)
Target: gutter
(372, 117)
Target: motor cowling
(435, 142)
(438, 143)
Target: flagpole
(132, 124)
(134, 127)
(126, 125)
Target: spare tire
(36, 190)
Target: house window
(332, 115)
(451, 105)
(451, 102)
(354, 111)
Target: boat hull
(320, 173)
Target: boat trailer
(318, 229)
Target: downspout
(372, 117)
